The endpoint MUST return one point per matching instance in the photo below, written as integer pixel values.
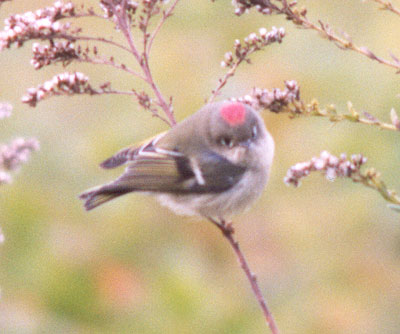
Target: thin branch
(143, 25)
(346, 43)
(341, 167)
(123, 25)
(167, 107)
(143, 61)
(166, 14)
(299, 18)
(111, 92)
(88, 38)
(288, 101)
(147, 103)
(224, 80)
(299, 108)
(228, 232)
(242, 52)
(103, 61)
(117, 92)
(89, 14)
(387, 5)
(371, 179)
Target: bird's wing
(158, 170)
(217, 173)
(154, 169)
(129, 153)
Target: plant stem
(88, 38)
(224, 80)
(387, 5)
(228, 232)
(325, 31)
(143, 62)
(166, 14)
(108, 62)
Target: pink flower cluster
(61, 84)
(12, 156)
(44, 55)
(263, 6)
(273, 100)
(43, 23)
(330, 165)
(252, 43)
(111, 7)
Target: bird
(213, 164)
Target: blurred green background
(327, 255)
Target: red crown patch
(233, 113)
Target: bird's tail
(100, 195)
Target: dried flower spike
(264, 7)
(43, 55)
(274, 100)
(113, 7)
(331, 166)
(252, 43)
(41, 24)
(12, 156)
(62, 84)
(242, 51)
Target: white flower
(43, 23)
(263, 32)
(253, 37)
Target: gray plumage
(215, 163)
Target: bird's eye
(254, 132)
(226, 141)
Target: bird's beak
(236, 154)
(246, 144)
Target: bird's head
(234, 129)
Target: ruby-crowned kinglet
(213, 164)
